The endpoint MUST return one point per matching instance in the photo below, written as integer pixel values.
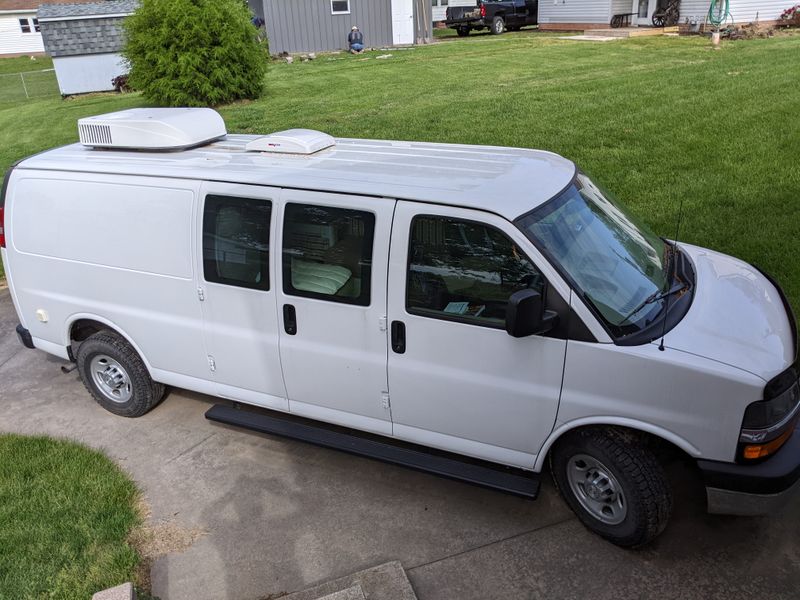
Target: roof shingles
(87, 9)
(9, 5)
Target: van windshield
(614, 261)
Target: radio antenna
(673, 266)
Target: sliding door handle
(398, 337)
(289, 319)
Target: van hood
(737, 317)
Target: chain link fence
(18, 87)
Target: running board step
(506, 480)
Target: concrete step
(627, 32)
(352, 593)
(384, 582)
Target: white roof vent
(292, 141)
(152, 128)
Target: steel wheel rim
(498, 26)
(111, 378)
(597, 489)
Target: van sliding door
(331, 291)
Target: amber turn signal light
(753, 451)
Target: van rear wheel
(613, 484)
(116, 376)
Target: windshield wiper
(655, 298)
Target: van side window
(464, 271)
(327, 253)
(236, 241)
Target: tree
(194, 52)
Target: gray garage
(84, 41)
(321, 25)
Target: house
(322, 25)
(85, 41)
(596, 14)
(19, 28)
(440, 7)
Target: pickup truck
(495, 15)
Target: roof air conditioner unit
(292, 141)
(152, 128)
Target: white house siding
(579, 12)
(88, 72)
(742, 11)
(13, 41)
(439, 10)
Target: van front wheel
(613, 484)
(116, 376)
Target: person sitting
(356, 40)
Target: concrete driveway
(280, 516)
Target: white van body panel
(697, 400)
(505, 181)
(753, 331)
(135, 270)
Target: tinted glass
(236, 241)
(463, 270)
(327, 253)
(617, 263)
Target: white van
(483, 310)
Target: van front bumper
(759, 489)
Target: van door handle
(289, 319)
(398, 337)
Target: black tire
(646, 494)
(138, 393)
(498, 26)
(462, 31)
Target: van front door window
(464, 270)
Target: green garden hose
(718, 12)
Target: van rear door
(237, 292)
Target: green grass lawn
(23, 64)
(65, 514)
(26, 77)
(655, 120)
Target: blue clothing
(355, 37)
(357, 47)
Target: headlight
(769, 413)
(767, 424)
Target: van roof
(505, 181)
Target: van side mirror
(525, 314)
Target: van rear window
(236, 241)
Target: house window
(25, 25)
(36, 25)
(340, 7)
